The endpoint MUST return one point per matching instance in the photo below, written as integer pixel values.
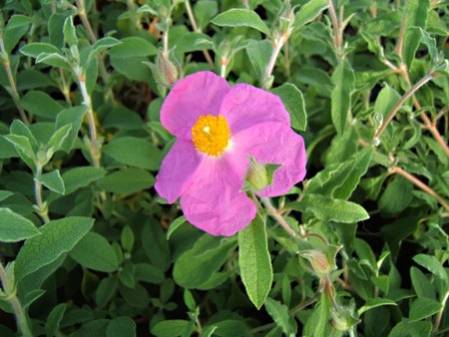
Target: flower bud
(319, 261)
(167, 74)
(342, 319)
(257, 175)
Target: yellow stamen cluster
(211, 134)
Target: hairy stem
(337, 30)
(197, 30)
(418, 183)
(429, 125)
(19, 312)
(94, 144)
(92, 37)
(273, 212)
(40, 204)
(277, 47)
(12, 82)
(401, 101)
(439, 316)
(85, 21)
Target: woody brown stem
(418, 183)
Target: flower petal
(198, 94)
(176, 170)
(245, 106)
(275, 143)
(215, 202)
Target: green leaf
(255, 262)
(339, 180)
(127, 238)
(14, 227)
(34, 49)
(280, 315)
(175, 225)
(411, 43)
(133, 46)
(106, 291)
(93, 251)
(196, 266)
(385, 100)
(22, 145)
(432, 264)
(103, 44)
(372, 303)
(145, 272)
(70, 32)
(54, 60)
(5, 194)
(318, 323)
(40, 104)
(155, 245)
(259, 53)
(121, 327)
(134, 151)
(397, 196)
(423, 307)
(126, 181)
(71, 116)
(79, 177)
(53, 181)
(132, 68)
(295, 104)
(423, 287)
(58, 137)
(329, 209)
(54, 320)
(58, 237)
(431, 45)
(309, 12)
(238, 17)
(204, 10)
(170, 328)
(15, 29)
(343, 79)
(21, 129)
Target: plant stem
(431, 126)
(439, 316)
(336, 28)
(40, 204)
(273, 212)
(401, 101)
(65, 88)
(19, 312)
(165, 50)
(12, 82)
(94, 144)
(277, 47)
(223, 69)
(92, 37)
(418, 183)
(85, 21)
(197, 30)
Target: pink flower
(218, 129)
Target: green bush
(88, 248)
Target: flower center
(211, 134)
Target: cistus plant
(178, 168)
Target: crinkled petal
(198, 94)
(275, 143)
(176, 170)
(245, 106)
(215, 201)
